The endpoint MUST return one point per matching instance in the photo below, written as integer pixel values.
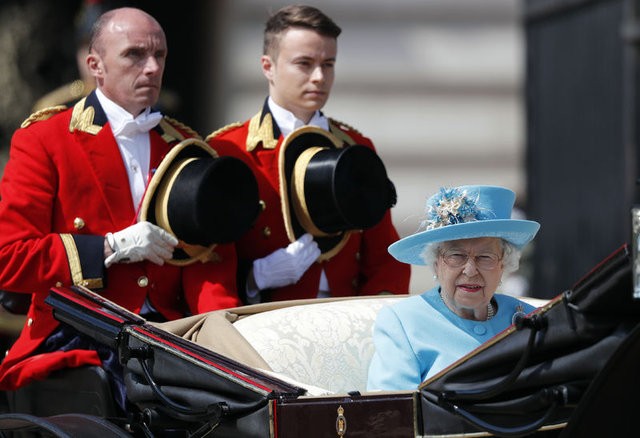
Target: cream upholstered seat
(326, 344)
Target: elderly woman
(470, 241)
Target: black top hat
(329, 190)
(201, 198)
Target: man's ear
(267, 67)
(94, 65)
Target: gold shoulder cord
(222, 130)
(42, 114)
(180, 125)
(334, 127)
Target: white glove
(142, 241)
(286, 265)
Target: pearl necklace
(491, 311)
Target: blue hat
(466, 212)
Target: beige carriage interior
(322, 345)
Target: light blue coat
(419, 336)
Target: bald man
(70, 196)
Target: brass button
(29, 322)
(78, 223)
(354, 283)
(266, 231)
(263, 205)
(143, 281)
(358, 256)
(58, 284)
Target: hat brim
(292, 147)
(518, 232)
(184, 254)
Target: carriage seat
(326, 345)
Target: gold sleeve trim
(74, 264)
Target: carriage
(298, 369)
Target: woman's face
(469, 272)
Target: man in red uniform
(70, 196)
(300, 47)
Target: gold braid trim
(222, 130)
(169, 133)
(334, 127)
(344, 125)
(184, 127)
(299, 201)
(261, 132)
(82, 119)
(74, 265)
(43, 114)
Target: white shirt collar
(117, 115)
(134, 145)
(287, 122)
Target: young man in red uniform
(70, 196)
(300, 47)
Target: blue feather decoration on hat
(452, 206)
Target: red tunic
(362, 267)
(64, 187)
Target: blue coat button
(479, 330)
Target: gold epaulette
(343, 131)
(43, 114)
(222, 130)
(183, 127)
(345, 126)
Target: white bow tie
(140, 125)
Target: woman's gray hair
(510, 256)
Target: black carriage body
(242, 401)
(564, 368)
(555, 372)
